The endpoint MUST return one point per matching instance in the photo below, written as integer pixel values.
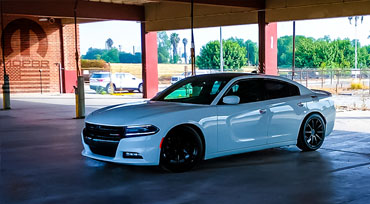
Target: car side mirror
(231, 100)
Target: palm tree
(109, 43)
(174, 38)
(185, 41)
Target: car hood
(132, 113)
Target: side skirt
(249, 149)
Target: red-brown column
(149, 62)
(267, 45)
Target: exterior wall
(69, 56)
(33, 47)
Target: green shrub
(100, 90)
(92, 63)
(356, 86)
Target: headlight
(141, 130)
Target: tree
(129, 58)
(174, 38)
(111, 55)
(252, 52)
(251, 47)
(109, 44)
(185, 42)
(93, 53)
(164, 46)
(234, 55)
(285, 51)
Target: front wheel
(111, 88)
(182, 149)
(312, 133)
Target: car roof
(237, 76)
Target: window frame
(265, 97)
(282, 82)
(236, 82)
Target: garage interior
(40, 143)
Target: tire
(109, 90)
(312, 133)
(140, 88)
(182, 149)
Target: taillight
(100, 80)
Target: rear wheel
(312, 133)
(182, 149)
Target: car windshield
(100, 76)
(197, 90)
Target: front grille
(103, 140)
(102, 132)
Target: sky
(127, 33)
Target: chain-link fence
(336, 79)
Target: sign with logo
(19, 55)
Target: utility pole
(356, 40)
(293, 58)
(6, 85)
(221, 52)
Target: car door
(118, 80)
(245, 124)
(132, 81)
(286, 109)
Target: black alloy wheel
(182, 149)
(312, 133)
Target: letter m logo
(25, 26)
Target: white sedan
(208, 116)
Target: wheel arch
(308, 115)
(314, 112)
(196, 129)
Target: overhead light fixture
(43, 19)
(47, 19)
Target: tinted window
(100, 76)
(198, 90)
(279, 89)
(250, 90)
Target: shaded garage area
(41, 162)
(41, 147)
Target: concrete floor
(41, 162)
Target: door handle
(300, 104)
(262, 111)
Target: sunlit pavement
(41, 162)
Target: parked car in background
(177, 78)
(114, 82)
(208, 116)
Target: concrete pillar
(267, 44)
(149, 62)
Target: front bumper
(146, 146)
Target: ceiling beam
(64, 9)
(258, 4)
